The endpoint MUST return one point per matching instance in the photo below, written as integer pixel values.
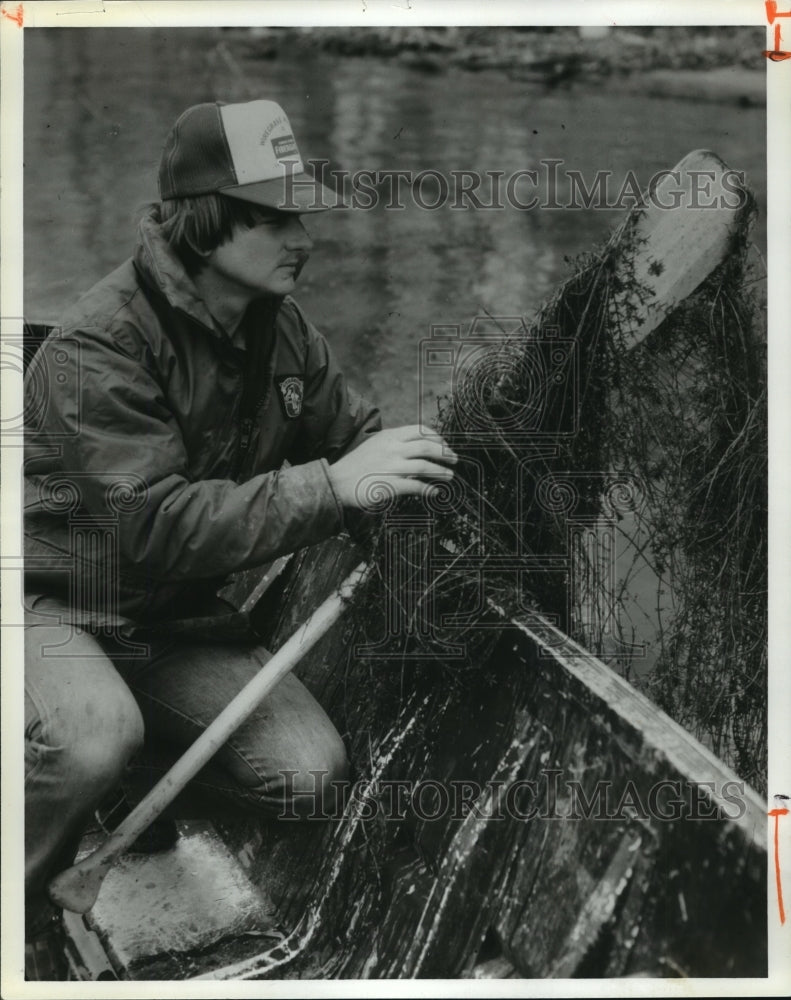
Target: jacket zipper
(259, 359)
(247, 428)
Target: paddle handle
(77, 887)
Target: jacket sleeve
(335, 418)
(124, 456)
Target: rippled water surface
(99, 103)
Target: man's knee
(316, 786)
(94, 753)
(82, 723)
(120, 742)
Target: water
(98, 104)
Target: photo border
(87, 13)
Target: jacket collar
(161, 269)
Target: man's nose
(297, 237)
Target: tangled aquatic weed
(668, 439)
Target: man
(186, 422)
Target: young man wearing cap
(186, 422)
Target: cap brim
(296, 193)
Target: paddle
(685, 231)
(676, 249)
(77, 887)
(687, 228)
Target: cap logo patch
(291, 389)
(279, 120)
(284, 145)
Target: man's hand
(406, 459)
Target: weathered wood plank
(571, 884)
(415, 897)
(679, 238)
(695, 862)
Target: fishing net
(620, 492)
(692, 413)
(585, 467)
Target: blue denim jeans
(96, 710)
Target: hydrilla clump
(566, 434)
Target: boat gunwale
(658, 732)
(681, 749)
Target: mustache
(298, 260)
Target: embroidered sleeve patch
(291, 389)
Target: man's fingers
(423, 481)
(422, 467)
(430, 453)
(418, 432)
(433, 449)
(409, 458)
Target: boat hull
(550, 813)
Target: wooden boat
(557, 823)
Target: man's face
(264, 260)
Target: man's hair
(196, 225)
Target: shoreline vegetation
(720, 64)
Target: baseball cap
(245, 151)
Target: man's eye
(270, 222)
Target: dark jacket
(155, 447)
